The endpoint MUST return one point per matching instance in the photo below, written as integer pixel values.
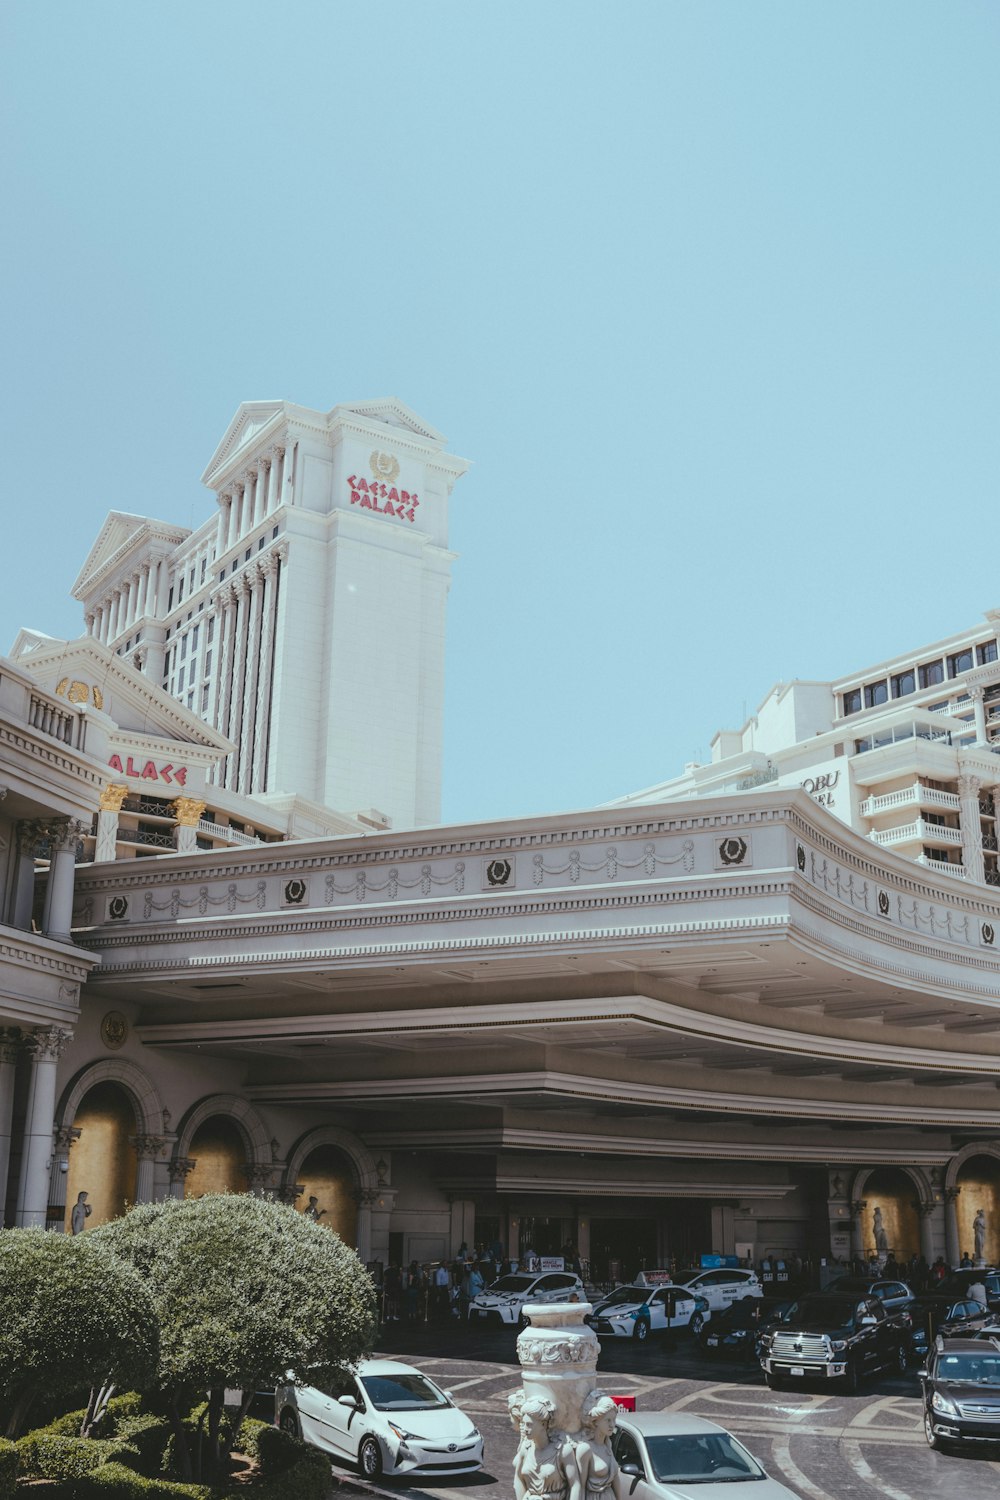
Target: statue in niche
(82, 1211)
(313, 1211)
(545, 1462)
(979, 1231)
(599, 1474)
(878, 1228)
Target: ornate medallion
(114, 1030)
(384, 466)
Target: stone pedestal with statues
(565, 1423)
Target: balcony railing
(51, 718)
(943, 865)
(141, 836)
(910, 796)
(149, 807)
(917, 832)
(231, 835)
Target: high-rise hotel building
(906, 752)
(304, 620)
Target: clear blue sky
(708, 292)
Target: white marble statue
(81, 1213)
(881, 1238)
(599, 1474)
(979, 1230)
(545, 1463)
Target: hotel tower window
(904, 683)
(931, 673)
(985, 652)
(876, 693)
(852, 701)
(960, 661)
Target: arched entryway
(102, 1161)
(219, 1151)
(892, 1203)
(978, 1180)
(327, 1174)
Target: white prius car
(634, 1312)
(387, 1418)
(504, 1300)
(667, 1455)
(720, 1287)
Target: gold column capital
(113, 796)
(188, 811)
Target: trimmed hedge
(114, 1481)
(149, 1435)
(9, 1464)
(46, 1457)
(247, 1439)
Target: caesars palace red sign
(385, 498)
(150, 771)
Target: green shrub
(307, 1479)
(129, 1404)
(9, 1464)
(149, 1434)
(113, 1481)
(278, 1451)
(44, 1456)
(246, 1440)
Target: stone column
(234, 729)
(972, 841)
(187, 811)
(57, 921)
(10, 1042)
(952, 1249)
(45, 1045)
(927, 1212)
(144, 581)
(29, 833)
(979, 708)
(858, 1206)
(147, 1149)
(156, 600)
(88, 621)
(271, 493)
(112, 798)
(116, 604)
(63, 1142)
(179, 1169)
(265, 668)
(225, 520)
(258, 583)
(364, 1245)
(288, 474)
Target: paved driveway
(823, 1444)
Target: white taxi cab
(720, 1286)
(634, 1312)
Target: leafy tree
(246, 1291)
(73, 1316)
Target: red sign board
(624, 1403)
(150, 771)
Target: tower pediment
(251, 418)
(120, 534)
(391, 412)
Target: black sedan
(736, 1332)
(950, 1316)
(961, 1392)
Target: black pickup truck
(824, 1336)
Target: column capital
(858, 1206)
(969, 786)
(112, 797)
(11, 1038)
(951, 1194)
(148, 1146)
(46, 1043)
(291, 1191)
(188, 811)
(66, 1138)
(64, 833)
(258, 1175)
(181, 1167)
(926, 1210)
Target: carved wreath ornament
(384, 466)
(733, 851)
(538, 1351)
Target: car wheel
(289, 1422)
(522, 1322)
(902, 1360)
(641, 1330)
(370, 1458)
(933, 1441)
(697, 1323)
(775, 1382)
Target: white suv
(505, 1299)
(722, 1287)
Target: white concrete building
(305, 619)
(906, 752)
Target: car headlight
(942, 1404)
(403, 1435)
(837, 1345)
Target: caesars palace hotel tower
(305, 620)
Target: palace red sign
(150, 771)
(384, 498)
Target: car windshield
(627, 1294)
(689, 1274)
(402, 1392)
(701, 1458)
(978, 1369)
(821, 1313)
(513, 1283)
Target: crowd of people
(437, 1290)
